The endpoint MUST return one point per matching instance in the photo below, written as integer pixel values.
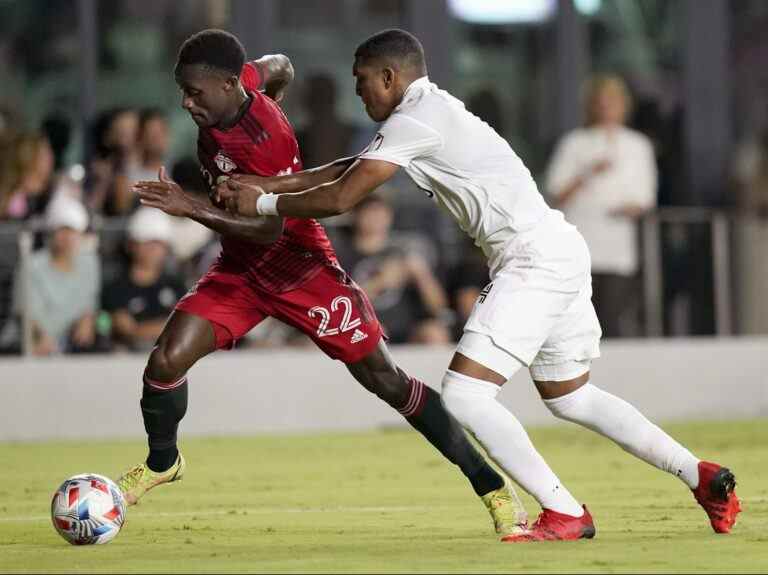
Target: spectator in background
(603, 177)
(57, 290)
(58, 130)
(141, 299)
(153, 143)
(189, 238)
(750, 234)
(466, 280)
(115, 136)
(27, 167)
(326, 137)
(409, 301)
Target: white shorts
(538, 313)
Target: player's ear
(388, 77)
(231, 83)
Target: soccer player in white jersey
(537, 310)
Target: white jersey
(466, 167)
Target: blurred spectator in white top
(141, 298)
(26, 168)
(603, 177)
(57, 290)
(409, 300)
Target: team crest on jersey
(224, 163)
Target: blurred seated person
(141, 299)
(57, 290)
(603, 178)
(409, 301)
(26, 169)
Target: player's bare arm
(167, 195)
(330, 199)
(276, 72)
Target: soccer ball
(88, 509)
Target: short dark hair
(216, 49)
(396, 46)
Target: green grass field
(382, 502)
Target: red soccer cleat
(554, 526)
(716, 495)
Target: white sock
(473, 403)
(616, 419)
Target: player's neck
(243, 103)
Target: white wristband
(266, 205)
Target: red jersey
(263, 143)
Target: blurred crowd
(104, 273)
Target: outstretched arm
(167, 195)
(322, 201)
(291, 183)
(276, 73)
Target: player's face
(376, 87)
(206, 95)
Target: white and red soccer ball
(88, 509)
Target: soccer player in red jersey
(271, 266)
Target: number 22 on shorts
(325, 317)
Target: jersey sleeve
(401, 139)
(250, 77)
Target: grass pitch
(382, 502)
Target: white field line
(241, 512)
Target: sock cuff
(459, 382)
(163, 385)
(416, 398)
(576, 396)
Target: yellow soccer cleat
(507, 511)
(135, 482)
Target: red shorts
(330, 308)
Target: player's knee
(167, 362)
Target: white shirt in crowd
(466, 167)
(630, 179)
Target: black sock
(446, 434)
(162, 412)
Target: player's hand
(165, 195)
(239, 197)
